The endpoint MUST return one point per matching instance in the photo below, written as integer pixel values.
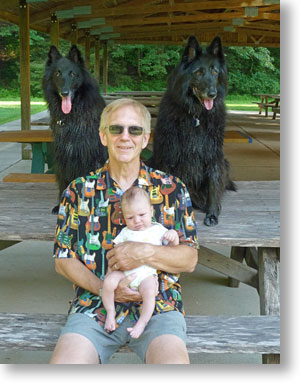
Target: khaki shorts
(106, 344)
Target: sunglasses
(133, 130)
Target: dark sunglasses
(133, 130)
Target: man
(90, 218)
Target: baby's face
(138, 215)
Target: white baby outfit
(152, 235)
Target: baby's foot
(137, 330)
(110, 323)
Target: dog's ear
(215, 48)
(75, 55)
(53, 54)
(192, 50)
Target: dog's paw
(211, 220)
(55, 210)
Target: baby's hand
(170, 238)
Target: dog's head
(204, 71)
(66, 74)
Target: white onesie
(152, 235)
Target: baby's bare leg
(110, 284)
(148, 290)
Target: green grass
(10, 109)
(241, 103)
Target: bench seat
(205, 334)
(29, 178)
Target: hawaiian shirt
(89, 219)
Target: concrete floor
(29, 282)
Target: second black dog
(75, 106)
(188, 138)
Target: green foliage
(138, 67)
(252, 70)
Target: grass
(10, 109)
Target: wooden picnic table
(268, 100)
(42, 149)
(249, 223)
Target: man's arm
(81, 276)
(173, 259)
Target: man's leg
(73, 348)
(167, 349)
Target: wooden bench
(264, 106)
(205, 334)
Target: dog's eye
(214, 71)
(200, 72)
(57, 74)
(72, 74)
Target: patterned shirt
(90, 218)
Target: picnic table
(249, 223)
(42, 149)
(268, 100)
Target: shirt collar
(142, 180)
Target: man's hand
(127, 255)
(123, 293)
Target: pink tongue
(208, 103)
(66, 104)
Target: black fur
(77, 147)
(188, 138)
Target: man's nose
(125, 133)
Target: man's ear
(145, 140)
(103, 138)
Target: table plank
(249, 217)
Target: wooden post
(24, 70)
(74, 34)
(105, 67)
(87, 49)
(54, 31)
(97, 59)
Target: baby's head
(137, 209)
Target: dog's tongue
(66, 104)
(209, 103)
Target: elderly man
(90, 218)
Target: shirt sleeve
(186, 219)
(65, 241)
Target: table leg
(38, 158)
(269, 289)
(238, 254)
(269, 281)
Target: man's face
(124, 148)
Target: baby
(137, 212)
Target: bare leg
(110, 283)
(147, 289)
(167, 349)
(72, 348)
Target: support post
(105, 67)
(54, 31)
(24, 70)
(87, 49)
(74, 34)
(97, 59)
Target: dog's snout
(212, 93)
(64, 93)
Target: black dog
(188, 138)
(75, 107)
